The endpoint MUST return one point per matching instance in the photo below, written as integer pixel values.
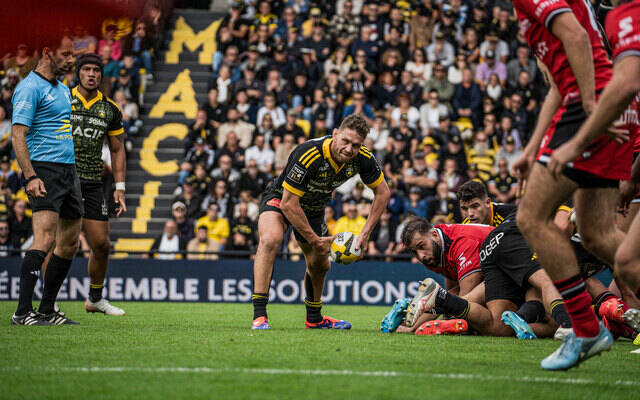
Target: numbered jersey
(461, 246)
(535, 17)
(91, 121)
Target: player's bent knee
(102, 248)
(271, 242)
(67, 251)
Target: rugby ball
(343, 248)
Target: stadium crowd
(449, 89)
(126, 49)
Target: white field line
(338, 372)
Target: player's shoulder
(504, 209)
(308, 153)
(111, 104)
(364, 154)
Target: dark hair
(415, 225)
(471, 190)
(357, 123)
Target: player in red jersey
(564, 36)
(450, 250)
(623, 32)
(629, 190)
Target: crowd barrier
(230, 281)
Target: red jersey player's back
(535, 18)
(461, 249)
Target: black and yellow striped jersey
(91, 121)
(312, 174)
(499, 211)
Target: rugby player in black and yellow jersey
(94, 118)
(477, 208)
(298, 198)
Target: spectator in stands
(431, 111)
(270, 107)
(199, 130)
(201, 182)
(286, 24)
(111, 66)
(215, 112)
(398, 155)
(290, 128)
(445, 130)
(454, 72)
(199, 154)
(246, 110)
(440, 51)
(522, 62)
(188, 196)
(329, 218)
(396, 202)
(416, 204)
(184, 223)
(344, 27)
(221, 195)
(410, 87)
(421, 175)
(130, 113)
(418, 67)
(8, 177)
(509, 152)
(83, 42)
(201, 244)
(467, 98)
(22, 61)
(243, 231)
(253, 180)
(367, 43)
(233, 150)
(359, 107)
(489, 67)
(517, 113)
(351, 221)
(338, 63)
(451, 175)
(455, 149)
(254, 60)
(444, 203)
(217, 227)
(126, 85)
(6, 246)
(20, 225)
(503, 186)
(382, 239)
(440, 83)
(405, 108)
(499, 47)
(224, 84)
(362, 202)
(226, 171)
(421, 29)
(169, 245)
(525, 88)
(483, 156)
(249, 83)
(278, 86)
(395, 47)
(379, 134)
(243, 130)
(261, 153)
(109, 38)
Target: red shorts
(602, 164)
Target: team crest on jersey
(101, 114)
(297, 174)
(349, 171)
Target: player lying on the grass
(298, 198)
(509, 271)
(623, 32)
(477, 208)
(94, 118)
(451, 250)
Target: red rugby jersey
(461, 249)
(535, 16)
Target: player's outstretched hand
(36, 188)
(118, 197)
(362, 244)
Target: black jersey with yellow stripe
(91, 121)
(499, 211)
(312, 174)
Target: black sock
(29, 272)
(601, 298)
(451, 304)
(95, 292)
(260, 301)
(314, 310)
(560, 314)
(57, 271)
(531, 311)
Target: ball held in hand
(343, 248)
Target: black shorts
(95, 205)
(507, 263)
(589, 264)
(62, 184)
(271, 202)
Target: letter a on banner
(179, 98)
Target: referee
(43, 144)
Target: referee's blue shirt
(45, 108)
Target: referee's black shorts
(63, 190)
(507, 263)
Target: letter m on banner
(183, 34)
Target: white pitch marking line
(338, 372)
(636, 351)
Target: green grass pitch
(189, 351)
